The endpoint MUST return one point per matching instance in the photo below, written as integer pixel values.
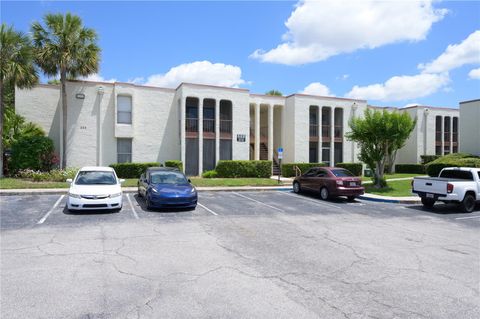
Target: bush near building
(132, 170)
(355, 168)
(228, 169)
(33, 152)
(210, 174)
(452, 160)
(428, 158)
(410, 168)
(55, 175)
(289, 171)
(174, 163)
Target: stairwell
(264, 156)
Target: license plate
(429, 195)
(353, 184)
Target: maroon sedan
(330, 182)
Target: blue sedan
(164, 187)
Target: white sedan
(95, 188)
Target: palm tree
(274, 93)
(65, 47)
(16, 68)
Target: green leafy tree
(15, 126)
(65, 47)
(379, 135)
(274, 92)
(16, 69)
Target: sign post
(280, 157)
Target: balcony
(438, 136)
(326, 133)
(191, 125)
(226, 129)
(338, 131)
(313, 130)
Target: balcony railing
(191, 124)
(225, 126)
(209, 125)
(446, 136)
(313, 130)
(455, 137)
(338, 131)
(326, 130)
(438, 136)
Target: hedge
(355, 168)
(428, 158)
(132, 170)
(410, 168)
(210, 174)
(33, 152)
(228, 169)
(174, 163)
(288, 171)
(452, 160)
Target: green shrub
(288, 169)
(33, 152)
(260, 169)
(54, 175)
(174, 163)
(132, 170)
(410, 168)
(210, 174)
(452, 160)
(355, 168)
(428, 158)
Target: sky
(391, 53)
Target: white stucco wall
(469, 127)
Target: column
(270, 132)
(200, 136)
(182, 105)
(451, 135)
(332, 133)
(319, 122)
(443, 135)
(217, 131)
(257, 132)
(354, 109)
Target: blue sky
(390, 53)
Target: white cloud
(317, 88)
(201, 72)
(400, 88)
(97, 78)
(318, 30)
(474, 74)
(456, 55)
(343, 77)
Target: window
(124, 150)
(124, 109)
(457, 174)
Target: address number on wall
(241, 138)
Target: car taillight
(339, 182)
(449, 188)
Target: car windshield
(168, 178)
(95, 178)
(342, 173)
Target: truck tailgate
(430, 185)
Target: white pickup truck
(453, 185)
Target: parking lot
(271, 254)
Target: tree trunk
(2, 111)
(63, 80)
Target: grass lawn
(390, 176)
(16, 183)
(395, 189)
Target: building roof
(470, 101)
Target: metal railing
(225, 126)
(338, 131)
(455, 137)
(191, 124)
(209, 125)
(446, 136)
(313, 130)
(326, 130)
(438, 136)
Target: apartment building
(469, 129)
(201, 124)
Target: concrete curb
(385, 199)
(62, 191)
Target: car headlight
(193, 190)
(74, 195)
(115, 195)
(154, 190)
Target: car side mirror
(189, 180)
(69, 180)
(121, 180)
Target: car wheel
(324, 194)
(351, 198)
(428, 202)
(149, 204)
(296, 187)
(468, 203)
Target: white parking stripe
(44, 218)
(320, 203)
(207, 209)
(133, 208)
(259, 202)
(469, 217)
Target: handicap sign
(280, 153)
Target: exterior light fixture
(100, 90)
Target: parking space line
(44, 218)
(133, 208)
(468, 217)
(259, 202)
(207, 209)
(320, 203)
